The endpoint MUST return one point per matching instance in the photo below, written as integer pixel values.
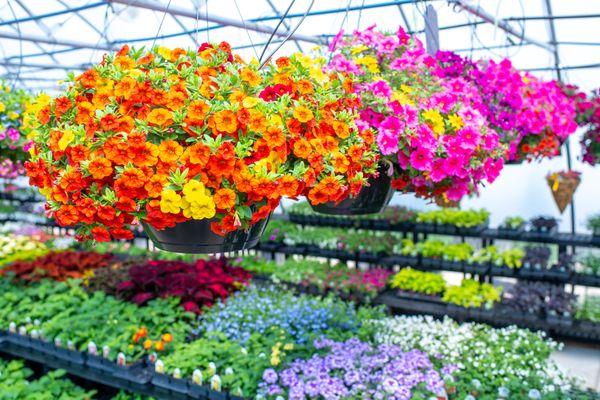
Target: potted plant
(195, 145)
(14, 143)
(532, 117)
(593, 224)
(512, 226)
(563, 185)
(428, 127)
(544, 225)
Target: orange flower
(225, 121)
(224, 199)
(340, 163)
(125, 87)
(282, 62)
(155, 185)
(305, 86)
(167, 338)
(197, 110)
(274, 137)
(288, 186)
(145, 155)
(198, 154)
(341, 129)
(176, 100)
(302, 148)
(89, 78)
(124, 62)
(133, 178)
(250, 77)
(303, 114)
(169, 151)
(160, 117)
(147, 344)
(159, 346)
(330, 185)
(257, 122)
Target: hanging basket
(196, 237)
(370, 200)
(441, 201)
(563, 186)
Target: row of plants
(267, 342)
(469, 293)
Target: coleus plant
(429, 127)
(196, 285)
(58, 265)
(165, 136)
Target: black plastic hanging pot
(370, 200)
(196, 237)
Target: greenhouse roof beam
(59, 42)
(52, 14)
(500, 23)
(44, 66)
(251, 26)
(285, 23)
(42, 26)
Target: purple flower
(270, 376)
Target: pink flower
(455, 165)
(387, 141)
(421, 159)
(438, 173)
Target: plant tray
(173, 385)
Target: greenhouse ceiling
(41, 41)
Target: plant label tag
(12, 327)
(177, 373)
(57, 342)
(215, 383)
(159, 367)
(105, 351)
(35, 334)
(197, 377)
(22, 331)
(70, 345)
(121, 360)
(92, 348)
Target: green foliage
(14, 384)
(440, 249)
(454, 216)
(593, 223)
(512, 258)
(589, 310)
(418, 281)
(591, 264)
(65, 310)
(471, 293)
(512, 222)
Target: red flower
(100, 234)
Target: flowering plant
(430, 128)
(488, 359)
(13, 142)
(549, 118)
(58, 265)
(259, 310)
(197, 285)
(532, 117)
(167, 136)
(588, 116)
(355, 369)
(20, 247)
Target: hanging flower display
(588, 116)
(429, 127)
(563, 185)
(532, 117)
(170, 136)
(13, 142)
(499, 85)
(548, 119)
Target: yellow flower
(13, 115)
(164, 52)
(170, 202)
(66, 138)
(303, 114)
(455, 121)
(358, 49)
(369, 62)
(288, 346)
(436, 120)
(304, 60)
(401, 98)
(249, 102)
(2, 107)
(318, 75)
(406, 88)
(194, 190)
(202, 208)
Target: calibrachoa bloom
(430, 127)
(355, 369)
(532, 117)
(170, 135)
